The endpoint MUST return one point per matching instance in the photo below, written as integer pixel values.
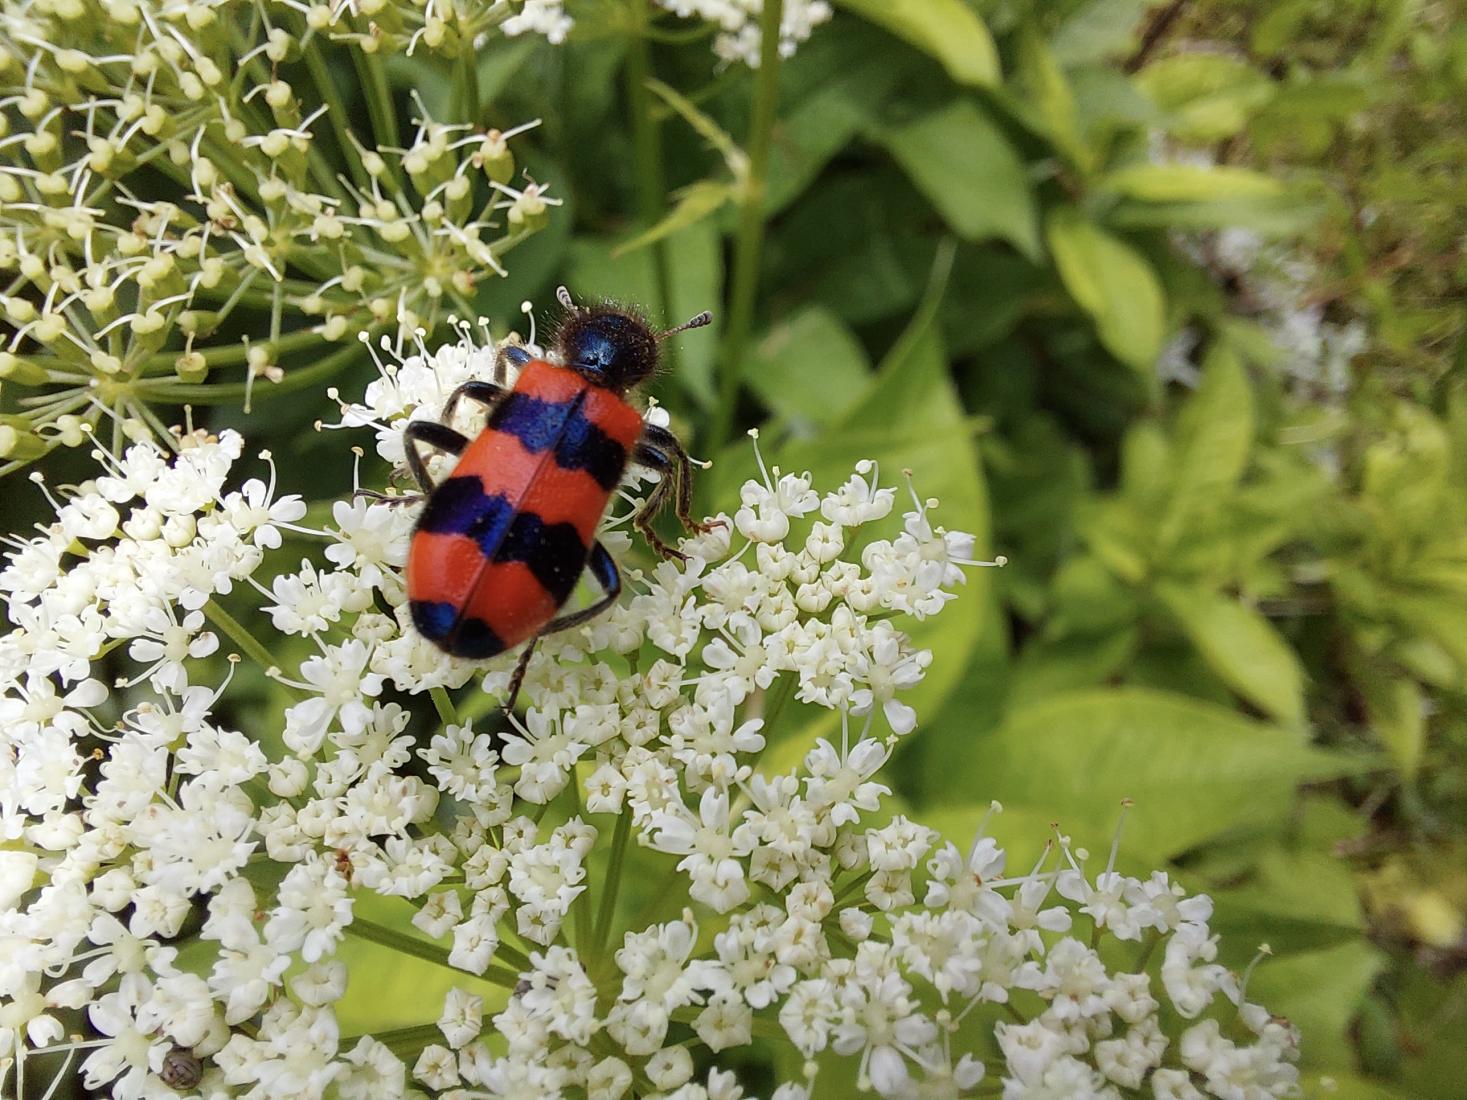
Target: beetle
(503, 540)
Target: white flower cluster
(738, 24)
(1275, 285)
(174, 890)
(173, 173)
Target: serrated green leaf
(945, 29)
(1194, 770)
(959, 158)
(1113, 283)
(1242, 647)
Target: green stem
(252, 647)
(650, 176)
(373, 77)
(447, 713)
(380, 934)
(1152, 939)
(336, 111)
(750, 243)
(609, 891)
(468, 83)
(399, 1038)
(515, 958)
(226, 393)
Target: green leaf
(1282, 215)
(1443, 622)
(1292, 900)
(1043, 93)
(960, 159)
(1194, 770)
(1193, 196)
(714, 134)
(1118, 534)
(1242, 647)
(1098, 30)
(945, 29)
(1214, 436)
(1109, 104)
(1320, 992)
(1189, 183)
(694, 203)
(810, 368)
(1047, 666)
(497, 67)
(1397, 714)
(832, 95)
(1209, 96)
(1113, 283)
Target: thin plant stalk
(749, 245)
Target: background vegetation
(1161, 300)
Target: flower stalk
(749, 244)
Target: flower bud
(494, 157)
(17, 441)
(191, 367)
(23, 372)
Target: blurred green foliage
(1162, 301)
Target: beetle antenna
(562, 295)
(704, 318)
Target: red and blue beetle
(503, 540)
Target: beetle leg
(518, 677)
(649, 456)
(438, 436)
(388, 498)
(487, 394)
(608, 576)
(510, 353)
(660, 450)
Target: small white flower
(463, 1015)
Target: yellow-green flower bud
(191, 367)
(21, 371)
(17, 441)
(494, 157)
